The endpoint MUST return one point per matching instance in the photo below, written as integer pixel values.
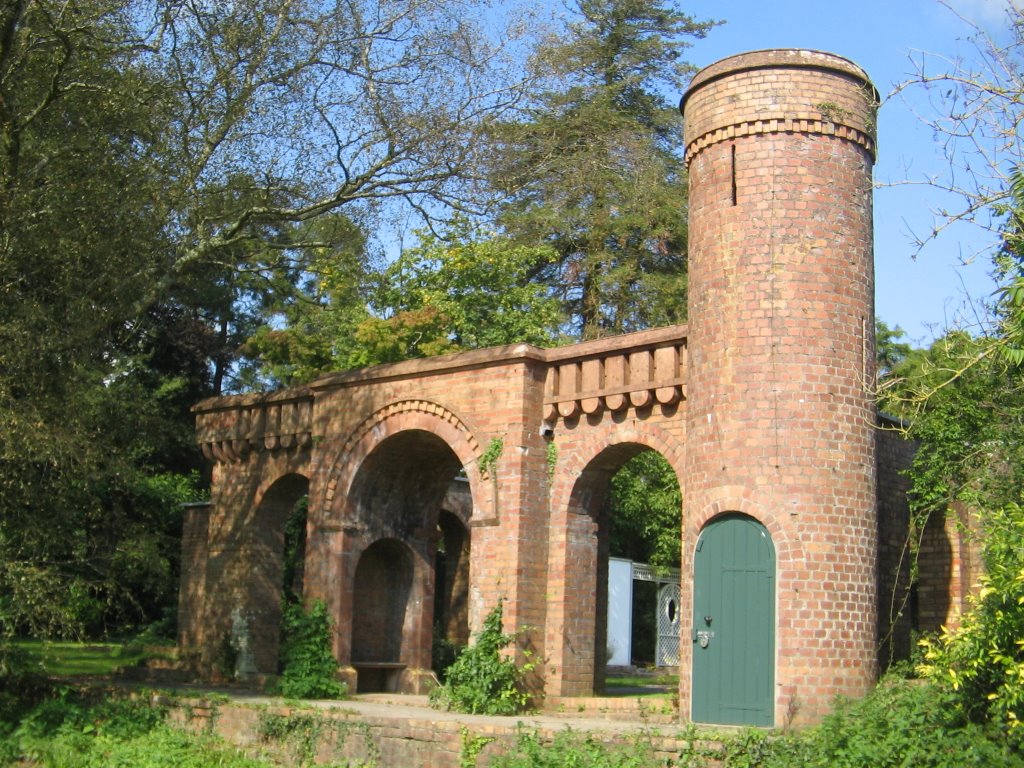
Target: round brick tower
(779, 147)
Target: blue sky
(926, 295)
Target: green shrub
(981, 663)
(69, 728)
(482, 680)
(900, 723)
(308, 665)
(570, 749)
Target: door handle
(703, 637)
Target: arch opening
(276, 551)
(625, 505)
(410, 586)
(451, 575)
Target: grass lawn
(67, 659)
(641, 685)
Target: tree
(322, 106)
(459, 290)
(169, 173)
(467, 290)
(975, 108)
(964, 408)
(645, 511)
(889, 351)
(310, 330)
(85, 534)
(594, 168)
(973, 103)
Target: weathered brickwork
(950, 568)
(896, 601)
(781, 312)
(503, 457)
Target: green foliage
(551, 459)
(645, 511)
(1010, 272)
(484, 681)
(300, 731)
(596, 170)
(295, 552)
(64, 659)
(964, 407)
(889, 351)
(570, 749)
(470, 747)
(464, 289)
(309, 669)
(980, 664)
(68, 729)
(901, 723)
(489, 458)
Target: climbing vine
(489, 458)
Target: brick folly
(794, 516)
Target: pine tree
(596, 168)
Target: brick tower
(780, 146)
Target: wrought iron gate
(667, 651)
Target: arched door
(734, 624)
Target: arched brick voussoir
(570, 467)
(293, 465)
(789, 554)
(391, 420)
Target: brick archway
(578, 560)
(255, 619)
(387, 482)
(387, 422)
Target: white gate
(667, 651)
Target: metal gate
(667, 651)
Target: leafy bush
(906, 722)
(309, 666)
(981, 663)
(572, 750)
(68, 734)
(444, 652)
(900, 723)
(483, 681)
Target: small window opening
(733, 153)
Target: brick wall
(950, 567)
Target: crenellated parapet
(230, 428)
(637, 370)
(785, 91)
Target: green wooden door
(734, 624)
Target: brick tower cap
(785, 89)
